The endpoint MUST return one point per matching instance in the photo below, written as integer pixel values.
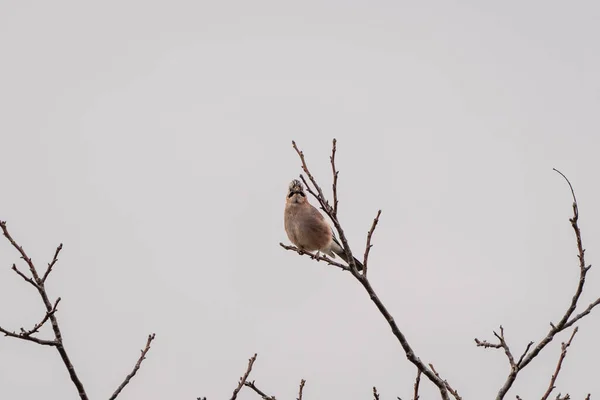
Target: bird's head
(296, 194)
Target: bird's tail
(337, 248)
(342, 254)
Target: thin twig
(318, 195)
(29, 338)
(318, 257)
(369, 245)
(582, 314)
(51, 264)
(375, 394)
(309, 190)
(416, 386)
(25, 277)
(244, 377)
(450, 389)
(335, 177)
(487, 345)
(511, 359)
(570, 186)
(37, 326)
(135, 368)
(524, 354)
(263, 395)
(500, 345)
(301, 389)
(563, 354)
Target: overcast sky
(153, 139)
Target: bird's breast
(306, 229)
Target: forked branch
(315, 190)
(39, 283)
(566, 321)
(244, 377)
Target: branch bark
(317, 193)
(263, 395)
(244, 377)
(39, 283)
(137, 366)
(416, 386)
(566, 321)
(301, 389)
(563, 354)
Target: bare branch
(37, 326)
(485, 344)
(582, 314)
(369, 245)
(309, 190)
(524, 354)
(416, 386)
(41, 289)
(410, 354)
(23, 255)
(326, 207)
(570, 186)
(453, 392)
(581, 256)
(563, 354)
(318, 257)
(244, 377)
(137, 366)
(511, 359)
(262, 394)
(51, 264)
(29, 338)
(300, 389)
(25, 277)
(565, 322)
(335, 177)
(375, 394)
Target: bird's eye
(302, 194)
(291, 194)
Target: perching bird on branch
(306, 227)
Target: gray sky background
(154, 140)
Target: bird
(306, 227)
